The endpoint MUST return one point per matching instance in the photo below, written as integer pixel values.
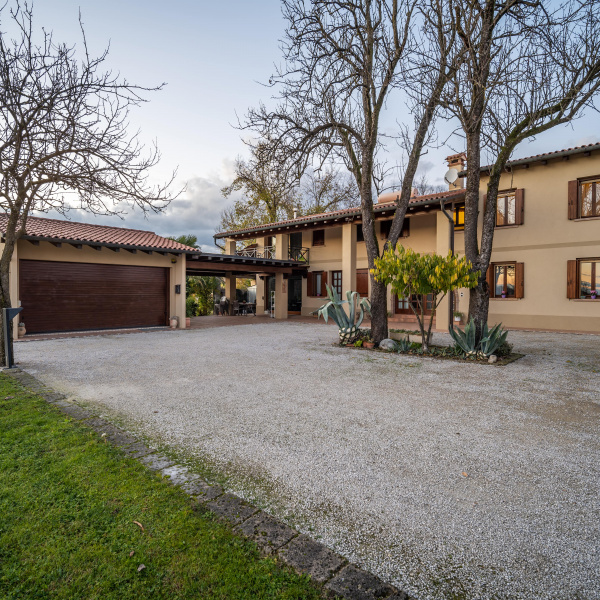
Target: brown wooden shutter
(573, 199)
(519, 207)
(572, 282)
(489, 276)
(323, 283)
(519, 280)
(310, 284)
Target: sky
(213, 57)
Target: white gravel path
(366, 451)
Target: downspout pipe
(451, 297)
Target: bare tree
(327, 190)
(525, 70)
(270, 190)
(64, 139)
(342, 61)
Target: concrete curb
(306, 556)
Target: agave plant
(348, 323)
(465, 340)
(491, 339)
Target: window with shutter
(506, 208)
(584, 198)
(384, 228)
(583, 278)
(318, 237)
(506, 280)
(520, 207)
(362, 282)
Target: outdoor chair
(236, 308)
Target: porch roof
(220, 265)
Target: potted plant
(593, 294)
(504, 294)
(368, 343)
(458, 316)
(174, 322)
(21, 330)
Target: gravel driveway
(449, 480)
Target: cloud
(197, 211)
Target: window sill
(586, 219)
(505, 299)
(506, 226)
(585, 299)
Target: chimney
(458, 162)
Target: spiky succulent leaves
(334, 309)
(465, 340)
(495, 337)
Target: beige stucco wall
(68, 253)
(334, 256)
(544, 243)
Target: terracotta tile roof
(347, 212)
(57, 230)
(547, 155)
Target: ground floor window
(336, 282)
(317, 281)
(505, 280)
(403, 305)
(589, 279)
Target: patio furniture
(236, 308)
(224, 306)
(217, 309)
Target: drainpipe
(451, 298)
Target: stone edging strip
(306, 556)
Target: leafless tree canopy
(64, 133)
(527, 67)
(342, 60)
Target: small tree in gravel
(416, 276)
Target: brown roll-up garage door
(60, 296)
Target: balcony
(296, 254)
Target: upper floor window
(360, 235)
(459, 218)
(583, 278)
(584, 198)
(510, 208)
(589, 198)
(506, 209)
(318, 238)
(386, 226)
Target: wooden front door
(63, 296)
(402, 306)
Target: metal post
(8, 314)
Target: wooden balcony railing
(300, 254)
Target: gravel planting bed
(448, 480)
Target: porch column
(282, 242)
(442, 247)
(260, 294)
(230, 286)
(178, 278)
(348, 258)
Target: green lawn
(67, 506)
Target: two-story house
(545, 263)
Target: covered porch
(275, 279)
